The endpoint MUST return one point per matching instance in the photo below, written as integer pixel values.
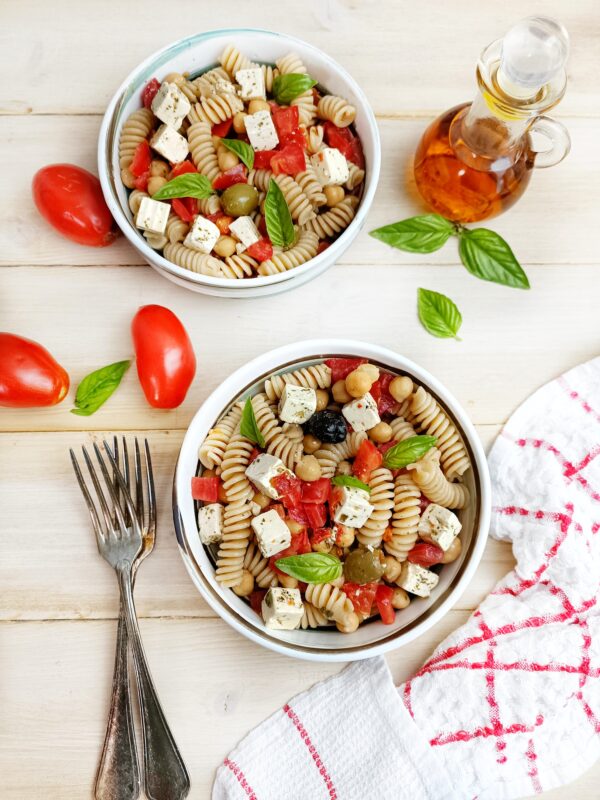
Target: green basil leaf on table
(350, 480)
(287, 87)
(311, 567)
(438, 314)
(95, 389)
(488, 256)
(243, 150)
(249, 426)
(422, 234)
(277, 217)
(190, 184)
(408, 451)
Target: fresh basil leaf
(95, 389)
(438, 314)
(190, 184)
(249, 426)
(277, 217)
(422, 234)
(243, 150)
(350, 480)
(408, 451)
(487, 256)
(311, 567)
(287, 87)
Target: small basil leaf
(249, 426)
(350, 480)
(190, 184)
(95, 389)
(438, 314)
(287, 87)
(311, 567)
(243, 150)
(277, 217)
(408, 451)
(417, 234)
(487, 256)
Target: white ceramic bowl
(195, 54)
(373, 637)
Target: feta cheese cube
(282, 609)
(262, 471)
(170, 105)
(202, 235)
(252, 83)
(330, 166)
(210, 523)
(297, 404)
(152, 215)
(170, 144)
(272, 534)
(439, 526)
(354, 509)
(417, 579)
(362, 413)
(221, 86)
(244, 229)
(261, 131)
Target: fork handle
(165, 775)
(118, 776)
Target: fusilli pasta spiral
(314, 138)
(337, 110)
(258, 566)
(330, 455)
(136, 128)
(401, 429)
(313, 617)
(216, 108)
(176, 229)
(236, 485)
(277, 443)
(213, 447)
(187, 87)
(237, 266)
(428, 416)
(205, 84)
(310, 185)
(436, 487)
(382, 498)
(298, 203)
(305, 248)
(202, 149)
(331, 600)
(317, 376)
(135, 200)
(405, 517)
(232, 60)
(236, 536)
(192, 259)
(335, 220)
(356, 176)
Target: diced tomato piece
(256, 598)
(185, 207)
(361, 596)
(425, 554)
(380, 392)
(346, 142)
(316, 514)
(290, 160)
(320, 534)
(367, 459)
(141, 159)
(262, 158)
(289, 489)
(237, 174)
(385, 446)
(141, 182)
(254, 453)
(262, 227)
(274, 106)
(323, 245)
(424, 503)
(335, 498)
(383, 599)
(261, 250)
(297, 514)
(388, 534)
(149, 92)
(299, 545)
(221, 220)
(221, 129)
(286, 120)
(206, 489)
(182, 168)
(316, 491)
(342, 367)
(295, 137)
(278, 508)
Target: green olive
(363, 566)
(239, 200)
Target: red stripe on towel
(312, 750)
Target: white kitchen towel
(509, 704)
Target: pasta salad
(329, 497)
(245, 170)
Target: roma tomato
(29, 376)
(70, 199)
(165, 358)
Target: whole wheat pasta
(258, 566)
(277, 443)
(333, 602)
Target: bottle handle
(554, 132)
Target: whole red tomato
(70, 199)
(29, 376)
(165, 358)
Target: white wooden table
(61, 61)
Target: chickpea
(333, 195)
(324, 546)
(128, 178)
(322, 399)
(159, 169)
(288, 582)
(216, 140)
(155, 183)
(225, 246)
(400, 598)
(311, 444)
(381, 433)
(246, 585)
(340, 393)
(261, 500)
(345, 537)
(392, 569)
(258, 105)
(344, 468)
(226, 159)
(358, 383)
(308, 469)
(350, 624)
(401, 387)
(239, 126)
(371, 370)
(294, 526)
(453, 552)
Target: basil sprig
(408, 451)
(190, 184)
(350, 480)
(311, 567)
(277, 217)
(416, 234)
(95, 389)
(287, 87)
(243, 150)
(438, 314)
(249, 426)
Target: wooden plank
(429, 65)
(553, 206)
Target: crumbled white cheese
(362, 413)
(439, 525)
(152, 215)
(170, 144)
(272, 534)
(282, 609)
(417, 579)
(354, 508)
(297, 404)
(244, 229)
(261, 131)
(210, 523)
(202, 236)
(170, 105)
(330, 166)
(252, 83)
(262, 470)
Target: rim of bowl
(244, 377)
(108, 131)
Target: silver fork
(120, 540)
